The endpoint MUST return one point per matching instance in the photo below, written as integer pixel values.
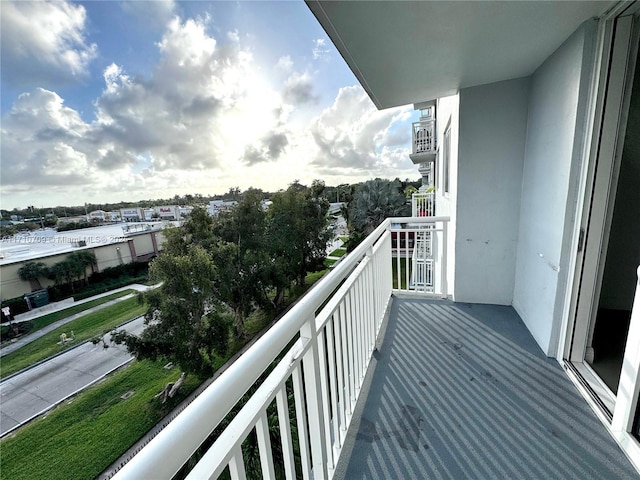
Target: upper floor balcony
(423, 205)
(373, 374)
(423, 138)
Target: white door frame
(607, 110)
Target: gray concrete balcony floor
(462, 391)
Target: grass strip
(45, 320)
(85, 327)
(81, 438)
(338, 252)
(329, 261)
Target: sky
(108, 101)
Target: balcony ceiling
(412, 51)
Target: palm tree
(85, 259)
(32, 272)
(373, 201)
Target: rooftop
(45, 242)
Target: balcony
(373, 375)
(423, 140)
(423, 205)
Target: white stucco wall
(493, 123)
(447, 114)
(549, 188)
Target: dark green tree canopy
(375, 200)
(371, 203)
(32, 272)
(215, 272)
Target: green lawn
(329, 261)
(45, 320)
(84, 328)
(403, 273)
(83, 437)
(338, 252)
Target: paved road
(36, 390)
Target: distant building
(184, 211)
(217, 206)
(97, 216)
(167, 212)
(132, 214)
(114, 216)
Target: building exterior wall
(552, 161)
(493, 124)
(112, 255)
(132, 214)
(143, 246)
(447, 115)
(107, 256)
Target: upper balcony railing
(311, 364)
(423, 205)
(423, 140)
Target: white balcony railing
(323, 346)
(423, 140)
(423, 205)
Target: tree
(241, 259)
(66, 271)
(185, 322)
(244, 224)
(297, 232)
(86, 259)
(372, 202)
(32, 272)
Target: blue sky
(105, 101)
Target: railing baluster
(398, 261)
(301, 418)
(351, 352)
(357, 331)
(343, 369)
(407, 262)
(313, 394)
(323, 384)
(284, 422)
(236, 465)
(333, 385)
(264, 447)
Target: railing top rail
(418, 219)
(180, 439)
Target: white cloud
(320, 49)
(351, 135)
(201, 121)
(298, 89)
(285, 64)
(44, 42)
(192, 111)
(40, 138)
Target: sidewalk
(57, 306)
(39, 312)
